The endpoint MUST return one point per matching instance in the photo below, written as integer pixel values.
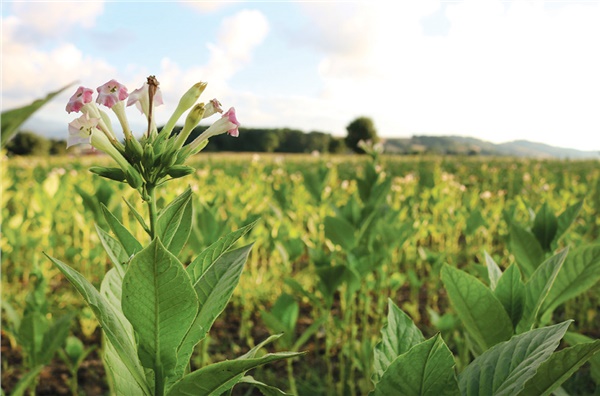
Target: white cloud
(503, 71)
(205, 7)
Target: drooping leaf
(558, 368)
(175, 222)
(212, 253)
(330, 278)
(12, 119)
(214, 379)
(538, 287)
(398, 336)
(525, 247)
(266, 390)
(565, 219)
(572, 338)
(339, 231)
(545, 226)
(137, 216)
(426, 369)
(505, 368)
(511, 293)
(160, 303)
(479, 310)
(26, 380)
(494, 271)
(109, 321)
(128, 241)
(214, 289)
(580, 271)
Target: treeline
(272, 140)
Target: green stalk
(291, 379)
(153, 212)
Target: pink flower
(234, 124)
(111, 93)
(81, 129)
(80, 98)
(140, 98)
(213, 106)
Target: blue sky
(496, 70)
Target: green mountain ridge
(462, 145)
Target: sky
(494, 70)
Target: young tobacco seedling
(153, 310)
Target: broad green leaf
(34, 325)
(494, 271)
(426, 369)
(308, 332)
(108, 319)
(510, 291)
(339, 231)
(576, 338)
(558, 368)
(566, 218)
(479, 310)
(538, 287)
(545, 226)
(111, 289)
(215, 251)
(175, 222)
(130, 244)
(114, 249)
(137, 216)
(117, 375)
(214, 379)
(527, 250)
(55, 338)
(214, 289)
(505, 368)
(580, 271)
(266, 390)
(12, 119)
(160, 303)
(330, 278)
(398, 336)
(474, 221)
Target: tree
(361, 128)
(28, 143)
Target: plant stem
(152, 209)
(291, 379)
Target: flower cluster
(156, 156)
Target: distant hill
(460, 145)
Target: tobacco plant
(153, 310)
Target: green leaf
(330, 278)
(108, 319)
(25, 381)
(130, 244)
(474, 221)
(310, 330)
(525, 247)
(480, 311)
(160, 303)
(138, 216)
(565, 219)
(55, 337)
(576, 338)
(510, 291)
(580, 271)
(558, 368)
(214, 379)
(505, 368)
(214, 289)
(34, 325)
(175, 222)
(398, 336)
(426, 369)
(538, 287)
(12, 119)
(494, 272)
(266, 390)
(545, 226)
(114, 249)
(339, 231)
(212, 253)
